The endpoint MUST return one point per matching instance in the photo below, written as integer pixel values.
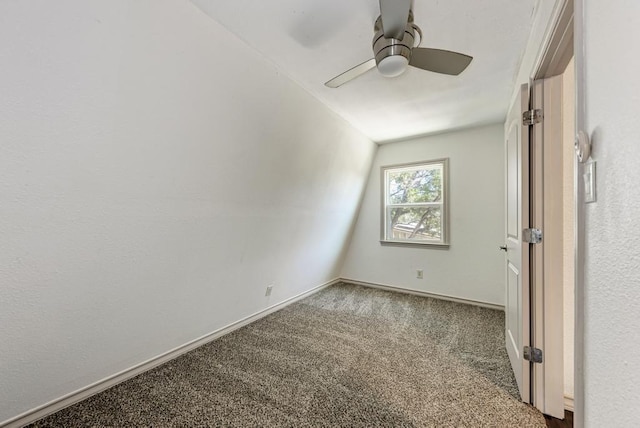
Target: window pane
(419, 185)
(415, 223)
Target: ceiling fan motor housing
(390, 50)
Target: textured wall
(473, 266)
(149, 191)
(612, 278)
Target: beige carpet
(348, 356)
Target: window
(414, 203)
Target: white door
(517, 251)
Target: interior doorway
(552, 211)
(554, 175)
(548, 354)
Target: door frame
(579, 221)
(547, 264)
(556, 50)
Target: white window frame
(444, 203)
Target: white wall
(612, 274)
(473, 267)
(150, 191)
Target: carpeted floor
(347, 356)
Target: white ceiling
(312, 41)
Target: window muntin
(414, 203)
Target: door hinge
(532, 236)
(531, 117)
(533, 354)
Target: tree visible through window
(414, 208)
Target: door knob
(503, 248)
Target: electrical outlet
(419, 274)
(268, 292)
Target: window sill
(434, 245)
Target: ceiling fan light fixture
(393, 65)
(394, 51)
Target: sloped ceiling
(312, 41)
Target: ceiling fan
(396, 45)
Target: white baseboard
(424, 294)
(53, 406)
(568, 403)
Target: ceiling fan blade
(395, 15)
(439, 61)
(351, 74)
